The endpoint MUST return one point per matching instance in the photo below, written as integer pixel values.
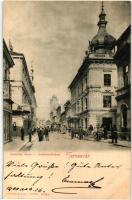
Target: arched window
(124, 115)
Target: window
(82, 85)
(124, 115)
(78, 106)
(78, 91)
(82, 104)
(75, 93)
(126, 80)
(86, 123)
(107, 79)
(86, 103)
(86, 81)
(107, 101)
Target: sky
(54, 37)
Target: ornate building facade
(122, 58)
(7, 97)
(23, 95)
(93, 89)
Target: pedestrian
(90, 128)
(42, 134)
(39, 134)
(72, 133)
(80, 133)
(44, 138)
(30, 134)
(98, 133)
(114, 134)
(22, 133)
(14, 126)
(46, 133)
(105, 132)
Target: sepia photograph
(67, 100)
(66, 81)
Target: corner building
(93, 89)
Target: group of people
(102, 132)
(31, 131)
(97, 132)
(43, 133)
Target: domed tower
(93, 89)
(102, 42)
(102, 76)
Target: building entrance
(107, 121)
(124, 116)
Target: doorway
(124, 115)
(107, 121)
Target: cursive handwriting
(32, 166)
(100, 165)
(23, 175)
(47, 166)
(91, 185)
(23, 189)
(81, 165)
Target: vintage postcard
(66, 99)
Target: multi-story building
(23, 95)
(53, 106)
(93, 89)
(7, 97)
(122, 58)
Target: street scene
(55, 96)
(63, 142)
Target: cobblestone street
(63, 142)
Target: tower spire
(102, 22)
(102, 5)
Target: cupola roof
(102, 40)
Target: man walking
(80, 133)
(114, 134)
(46, 133)
(105, 132)
(30, 134)
(72, 133)
(22, 133)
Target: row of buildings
(100, 91)
(19, 102)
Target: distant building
(93, 89)
(23, 94)
(54, 103)
(7, 97)
(122, 58)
